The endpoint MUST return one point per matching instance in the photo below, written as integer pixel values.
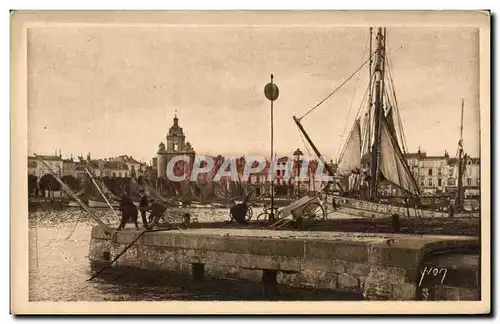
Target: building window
(440, 171)
(422, 183)
(430, 182)
(440, 182)
(451, 182)
(430, 173)
(469, 181)
(450, 171)
(478, 182)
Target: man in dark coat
(129, 212)
(156, 209)
(238, 212)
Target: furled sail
(105, 190)
(350, 159)
(392, 163)
(135, 187)
(219, 191)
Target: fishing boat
(73, 203)
(101, 204)
(372, 158)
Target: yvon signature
(432, 271)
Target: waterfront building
(439, 174)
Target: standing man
(334, 204)
(143, 207)
(451, 210)
(129, 212)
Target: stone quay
(375, 266)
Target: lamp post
(272, 92)
(298, 153)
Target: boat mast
(327, 167)
(460, 194)
(370, 95)
(379, 78)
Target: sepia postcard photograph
(298, 162)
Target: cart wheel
(262, 216)
(314, 210)
(249, 213)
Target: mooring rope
(74, 228)
(119, 255)
(125, 250)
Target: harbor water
(59, 268)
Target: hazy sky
(114, 90)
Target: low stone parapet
(378, 267)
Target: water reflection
(128, 284)
(59, 269)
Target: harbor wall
(377, 267)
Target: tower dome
(175, 129)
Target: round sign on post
(271, 90)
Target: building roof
(49, 157)
(115, 165)
(130, 159)
(415, 155)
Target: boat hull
(101, 204)
(362, 208)
(73, 204)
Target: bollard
(395, 223)
(186, 219)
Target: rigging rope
(402, 133)
(344, 147)
(336, 89)
(352, 101)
